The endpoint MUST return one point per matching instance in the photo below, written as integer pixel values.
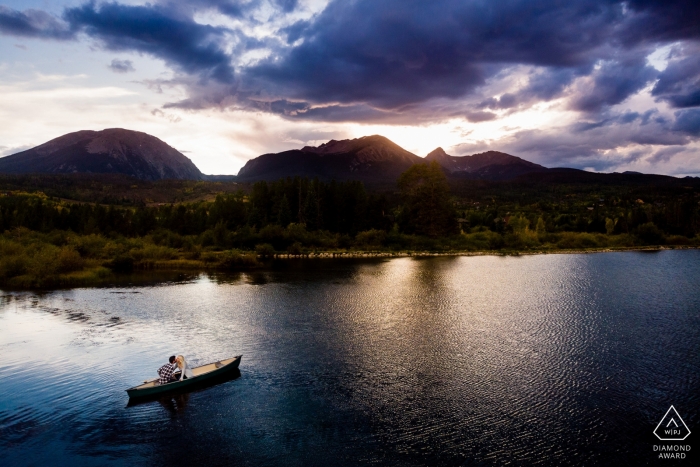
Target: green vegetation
(49, 240)
(427, 208)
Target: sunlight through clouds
(608, 88)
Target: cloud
(7, 150)
(679, 83)
(665, 154)
(660, 21)
(613, 82)
(187, 46)
(688, 121)
(480, 116)
(387, 56)
(607, 144)
(33, 23)
(414, 63)
(401, 54)
(121, 66)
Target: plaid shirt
(166, 372)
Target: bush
(265, 250)
(236, 260)
(168, 238)
(153, 252)
(481, 240)
(12, 266)
(122, 263)
(344, 241)
(9, 248)
(89, 246)
(295, 249)
(298, 233)
(575, 240)
(524, 238)
(678, 240)
(43, 261)
(621, 240)
(371, 238)
(69, 260)
(209, 257)
(649, 234)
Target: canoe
(201, 373)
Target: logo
(671, 427)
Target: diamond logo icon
(672, 427)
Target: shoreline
(101, 276)
(418, 254)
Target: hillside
(369, 158)
(110, 151)
(490, 165)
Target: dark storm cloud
(679, 83)
(688, 121)
(121, 66)
(397, 53)
(660, 20)
(238, 9)
(614, 82)
(550, 83)
(187, 46)
(33, 23)
(543, 84)
(393, 53)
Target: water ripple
(545, 360)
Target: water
(542, 360)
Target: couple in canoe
(166, 373)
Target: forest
(52, 234)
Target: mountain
(370, 158)
(490, 165)
(113, 150)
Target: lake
(548, 360)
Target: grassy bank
(30, 259)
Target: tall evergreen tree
(284, 214)
(427, 209)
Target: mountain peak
(350, 145)
(367, 158)
(489, 164)
(113, 150)
(437, 154)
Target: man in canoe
(166, 372)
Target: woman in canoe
(185, 371)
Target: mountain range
(376, 158)
(368, 159)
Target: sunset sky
(600, 85)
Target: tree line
(49, 241)
(421, 206)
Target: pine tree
(284, 214)
(427, 209)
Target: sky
(600, 85)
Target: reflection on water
(174, 404)
(558, 360)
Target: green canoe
(201, 373)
